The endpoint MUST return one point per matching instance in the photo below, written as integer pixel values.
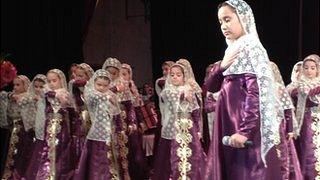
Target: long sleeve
(196, 117)
(117, 123)
(314, 91)
(209, 104)
(215, 78)
(131, 115)
(288, 117)
(251, 121)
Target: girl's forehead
(17, 81)
(53, 74)
(310, 62)
(225, 11)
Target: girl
(82, 74)
(122, 90)
(179, 151)
(21, 140)
(246, 107)
(56, 157)
(33, 111)
(306, 96)
(136, 157)
(286, 152)
(98, 156)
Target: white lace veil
(254, 59)
(173, 104)
(295, 76)
(304, 85)
(283, 96)
(102, 107)
(3, 108)
(33, 112)
(191, 79)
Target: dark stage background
(45, 34)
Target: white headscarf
(33, 112)
(304, 85)
(283, 96)
(102, 107)
(254, 59)
(295, 76)
(173, 104)
(62, 92)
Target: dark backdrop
(42, 34)
(45, 34)
(190, 29)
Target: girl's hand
(132, 128)
(291, 136)
(228, 59)
(16, 97)
(189, 96)
(237, 140)
(120, 87)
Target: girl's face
(310, 69)
(114, 72)
(81, 74)
(229, 23)
(177, 76)
(165, 70)
(54, 81)
(38, 86)
(101, 84)
(18, 86)
(124, 73)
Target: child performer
(56, 158)
(82, 74)
(286, 152)
(179, 151)
(306, 96)
(246, 108)
(33, 112)
(122, 90)
(136, 157)
(98, 158)
(21, 140)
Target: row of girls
(294, 156)
(84, 129)
(259, 128)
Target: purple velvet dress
(167, 161)
(133, 144)
(79, 123)
(135, 155)
(98, 159)
(237, 111)
(173, 155)
(20, 147)
(285, 157)
(56, 160)
(308, 142)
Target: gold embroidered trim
(123, 152)
(86, 122)
(183, 137)
(112, 159)
(12, 151)
(53, 130)
(315, 126)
